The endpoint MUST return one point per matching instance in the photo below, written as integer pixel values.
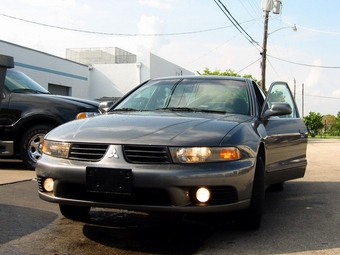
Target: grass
(324, 137)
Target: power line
(273, 67)
(117, 34)
(211, 50)
(231, 18)
(255, 9)
(249, 65)
(314, 30)
(301, 64)
(215, 49)
(236, 24)
(337, 98)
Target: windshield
(18, 82)
(209, 95)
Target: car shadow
(17, 221)
(155, 233)
(304, 217)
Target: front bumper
(162, 188)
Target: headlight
(83, 115)
(204, 154)
(55, 149)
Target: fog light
(202, 195)
(48, 184)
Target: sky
(196, 34)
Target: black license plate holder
(109, 180)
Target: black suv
(28, 112)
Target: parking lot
(303, 219)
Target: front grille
(87, 152)
(223, 195)
(40, 184)
(146, 154)
(220, 195)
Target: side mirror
(105, 106)
(277, 109)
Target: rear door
(286, 136)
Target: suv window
(18, 82)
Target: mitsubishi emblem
(114, 154)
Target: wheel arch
(30, 123)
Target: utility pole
(267, 7)
(294, 88)
(303, 99)
(264, 51)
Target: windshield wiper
(125, 109)
(188, 109)
(212, 111)
(180, 109)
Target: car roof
(198, 77)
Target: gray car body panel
(249, 133)
(161, 128)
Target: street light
(293, 27)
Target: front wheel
(30, 150)
(72, 212)
(251, 218)
(277, 187)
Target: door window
(280, 92)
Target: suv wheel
(30, 144)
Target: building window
(59, 90)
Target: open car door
(286, 135)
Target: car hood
(151, 128)
(77, 100)
(51, 99)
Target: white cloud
(151, 25)
(336, 93)
(160, 4)
(314, 76)
(55, 4)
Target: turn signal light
(230, 153)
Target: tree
(313, 122)
(229, 72)
(328, 120)
(335, 127)
(277, 96)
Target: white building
(89, 73)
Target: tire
(78, 213)
(252, 217)
(30, 143)
(276, 187)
